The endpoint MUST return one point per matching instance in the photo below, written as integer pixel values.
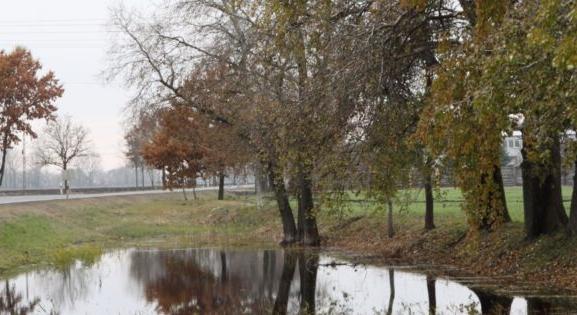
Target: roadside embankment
(47, 232)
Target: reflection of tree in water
(432, 294)
(13, 304)
(544, 306)
(537, 306)
(188, 282)
(308, 267)
(492, 303)
(203, 281)
(69, 285)
(288, 271)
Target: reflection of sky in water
(117, 285)
(105, 288)
(366, 290)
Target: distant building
(512, 159)
(512, 146)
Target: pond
(216, 281)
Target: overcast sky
(70, 38)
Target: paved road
(38, 198)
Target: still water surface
(214, 281)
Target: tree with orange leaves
(25, 95)
(177, 147)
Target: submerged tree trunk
(392, 291)
(223, 267)
(307, 217)
(542, 198)
(221, 186)
(432, 294)
(390, 226)
(286, 213)
(429, 203)
(288, 271)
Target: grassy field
(448, 202)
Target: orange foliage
(25, 95)
(177, 147)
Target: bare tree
(62, 142)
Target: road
(39, 198)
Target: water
(213, 281)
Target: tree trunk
(221, 186)
(573, 217)
(142, 175)
(286, 213)
(307, 217)
(3, 166)
(542, 198)
(136, 175)
(429, 203)
(288, 271)
(498, 179)
(163, 177)
(262, 179)
(390, 227)
(184, 193)
(66, 186)
(300, 218)
(308, 267)
(491, 208)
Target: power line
(76, 40)
(58, 32)
(51, 25)
(51, 20)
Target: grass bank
(49, 232)
(57, 231)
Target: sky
(70, 37)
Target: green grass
(57, 232)
(448, 203)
